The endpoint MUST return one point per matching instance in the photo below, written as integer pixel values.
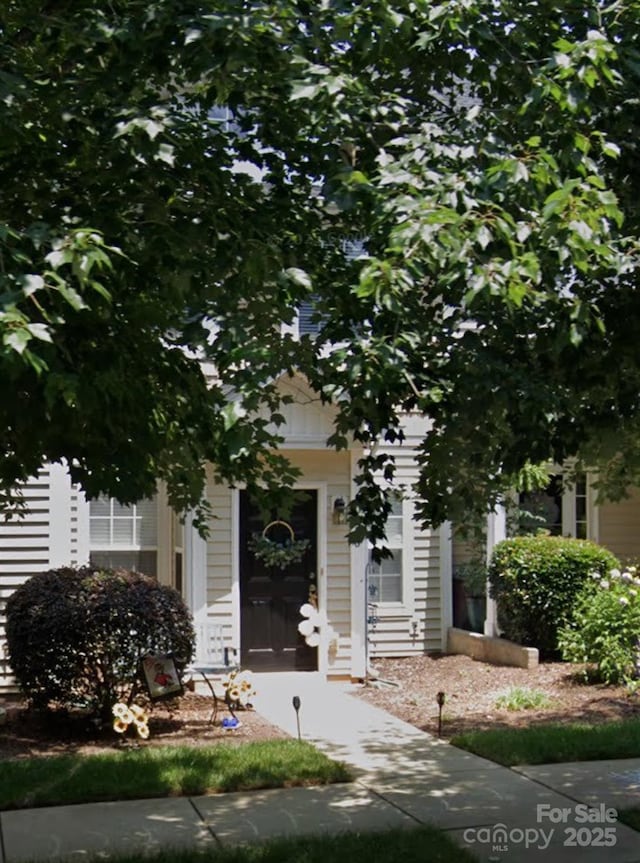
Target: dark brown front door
(270, 595)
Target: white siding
(619, 527)
(25, 549)
(308, 423)
(415, 627)
(220, 565)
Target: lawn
(547, 744)
(163, 772)
(420, 845)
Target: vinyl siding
(220, 562)
(24, 551)
(415, 626)
(619, 527)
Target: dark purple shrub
(75, 636)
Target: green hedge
(535, 581)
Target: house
(403, 606)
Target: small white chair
(213, 657)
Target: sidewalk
(403, 778)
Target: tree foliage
(486, 150)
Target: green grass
(163, 772)
(420, 845)
(546, 744)
(521, 698)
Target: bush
(75, 636)
(605, 631)
(535, 581)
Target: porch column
(195, 571)
(496, 532)
(358, 555)
(164, 546)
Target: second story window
(308, 323)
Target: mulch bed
(182, 721)
(471, 689)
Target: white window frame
(114, 546)
(569, 508)
(404, 606)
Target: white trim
(322, 580)
(311, 441)
(195, 571)
(408, 556)
(404, 608)
(59, 516)
(83, 546)
(164, 534)
(496, 532)
(593, 511)
(358, 600)
(445, 538)
(235, 570)
(321, 564)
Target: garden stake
(440, 698)
(296, 707)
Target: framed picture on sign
(161, 676)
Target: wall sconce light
(339, 511)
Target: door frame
(321, 528)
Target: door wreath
(279, 551)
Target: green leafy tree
(486, 151)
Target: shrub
(75, 636)
(535, 581)
(605, 630)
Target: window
(558, 510)
(580, 493)
(541, 511)
(124, 536)
(385, 578)
(309, 321)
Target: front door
(272, 588)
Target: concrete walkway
(403, 778)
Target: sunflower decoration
(127, 715)
(238, 688)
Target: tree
(487, 152)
